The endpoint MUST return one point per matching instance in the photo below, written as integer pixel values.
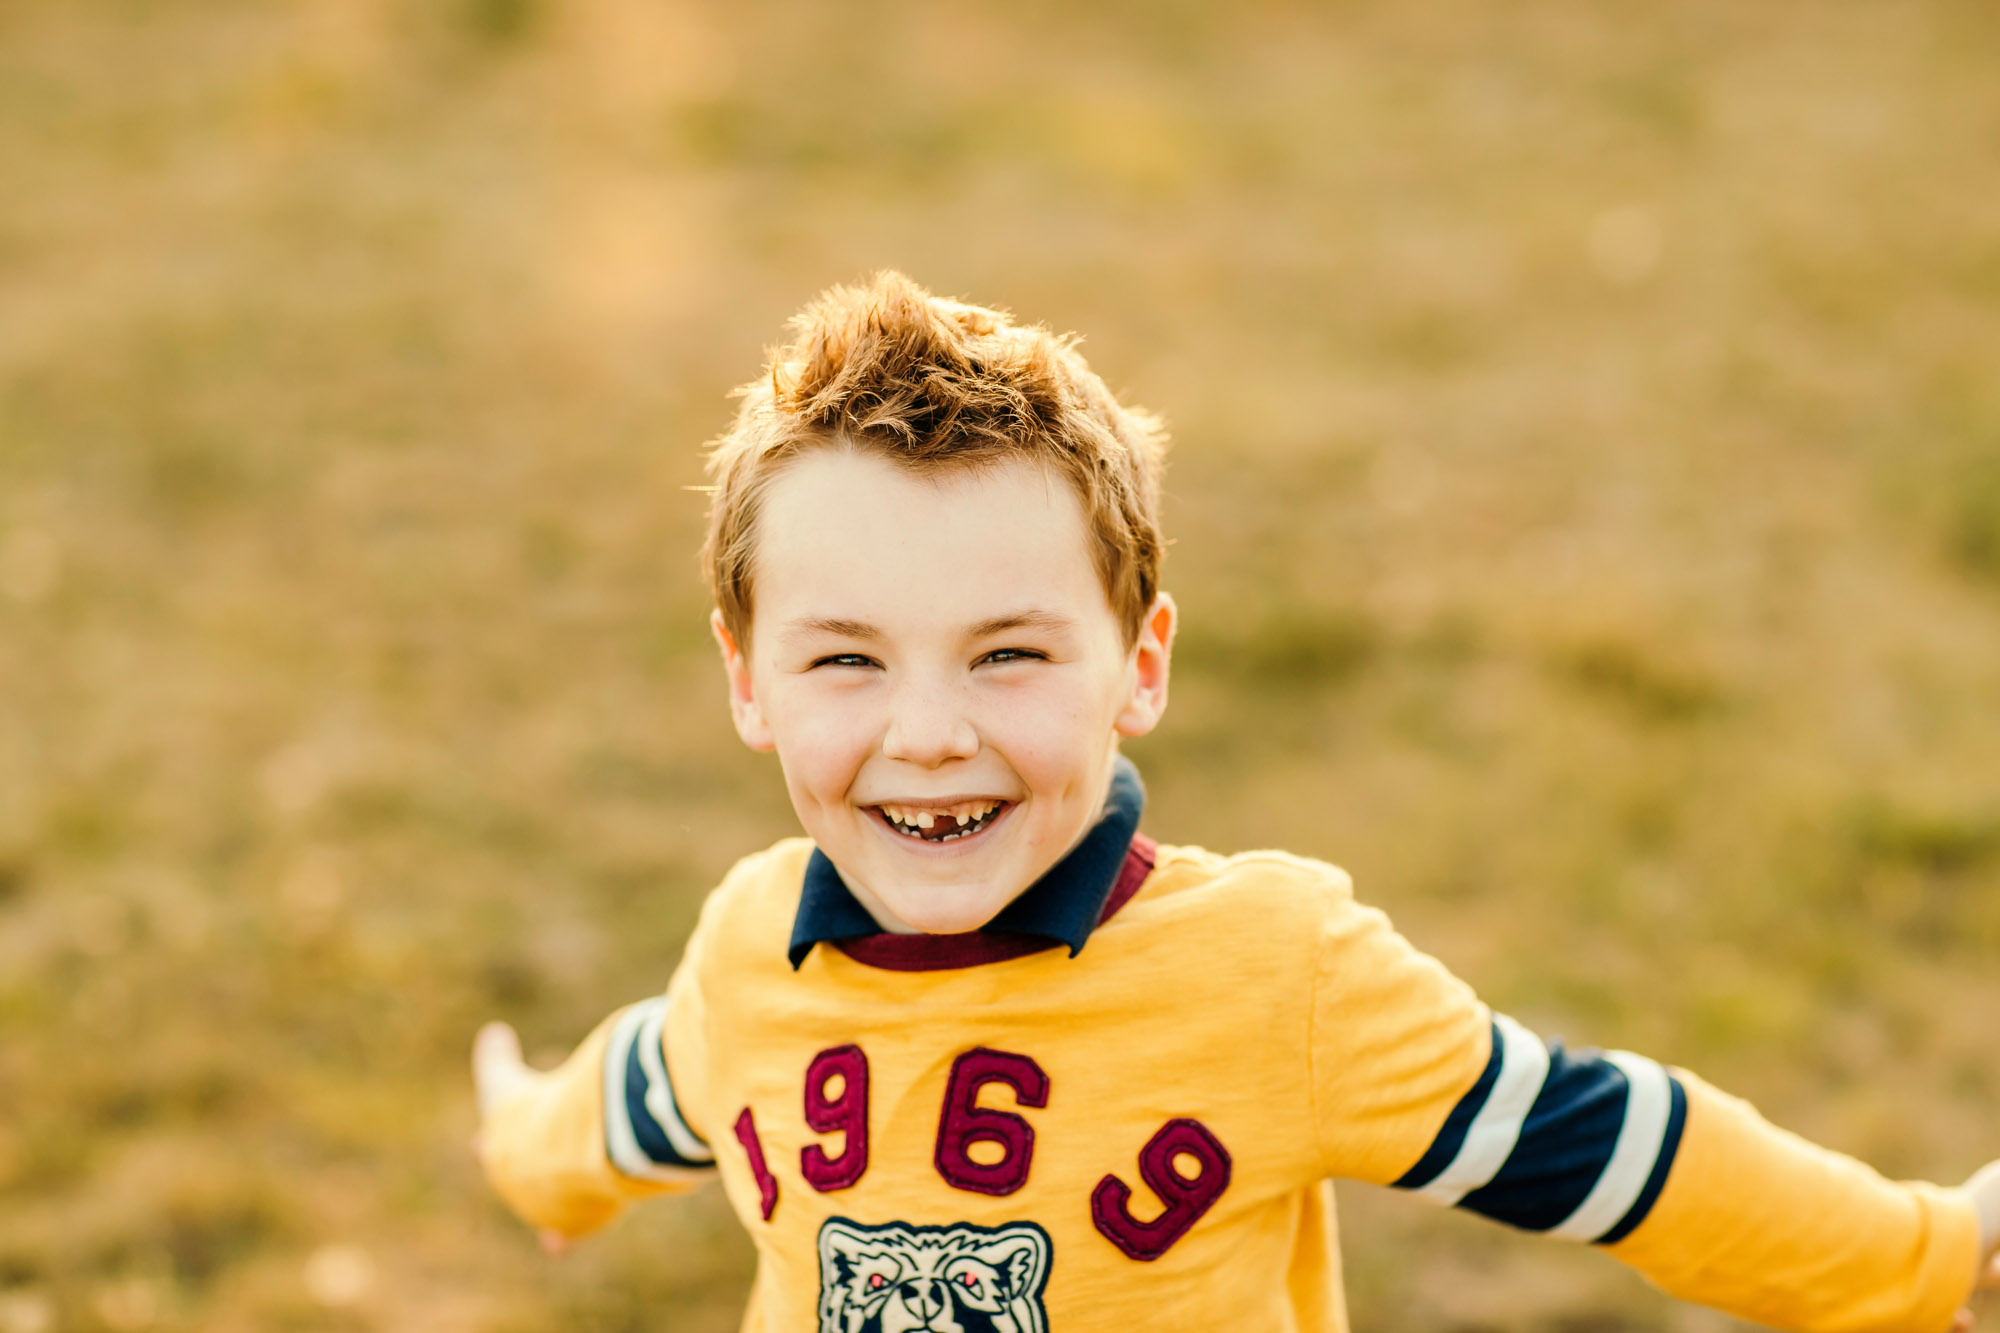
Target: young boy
(975, 1054)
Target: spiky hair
(934, 385)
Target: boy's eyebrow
(846, 629)
(1047, 620)
(861, 629)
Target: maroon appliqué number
(753, 1148)
(846, 1114)
(964, 1122)
(1186, 1197)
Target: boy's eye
(999, 655)
(844, 659)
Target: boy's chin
(945, 911)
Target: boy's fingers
(497, 1066)
(497, 1070)
(495, 1041)
(1962, 1322)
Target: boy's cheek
(1047, 739)
(832, 749)
(822, 765)
(808, 718)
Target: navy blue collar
(1063, 906)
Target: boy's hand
(498, 1072)
(1984, 1189)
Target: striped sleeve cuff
(645, 1135)
(1571, 1144)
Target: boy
(979, 1056)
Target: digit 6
(964, 1122)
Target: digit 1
(1186, 1197)
(753, 1148)
(846, 1114)
(964, 1122)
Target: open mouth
(942, 823)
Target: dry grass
(1587, 496)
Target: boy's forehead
(847, 535)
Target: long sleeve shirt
(1140, 1133)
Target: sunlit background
(1586, 496)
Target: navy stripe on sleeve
(1564, 1146)
(1576, 1145)
(645, 1134)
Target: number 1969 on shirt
(963, 1122)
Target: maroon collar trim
(943, 953)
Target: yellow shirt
(1141, 1136)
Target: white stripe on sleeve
(1647, 1107)
(1523, 1068)
(621, 1139)
(659, 1088)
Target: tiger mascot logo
(910, 1279)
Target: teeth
(912, 819)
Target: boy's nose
(927, 729)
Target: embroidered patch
(846, 1114)
(964, 1122)
(1186, 1197)
(897, 1278)
(753, 1148)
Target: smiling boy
(977, 1055)
(949, 682)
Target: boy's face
(931, 650)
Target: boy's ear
(1150, 659)
(743, 709)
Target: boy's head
(935, 559)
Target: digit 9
(1186, 1197)
(846, 1114)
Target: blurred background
(1587, 513)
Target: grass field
(1587, 509)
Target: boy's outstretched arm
(1421, 1087)
(498, 1072)
(570, 1147)
(1761, 1222)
